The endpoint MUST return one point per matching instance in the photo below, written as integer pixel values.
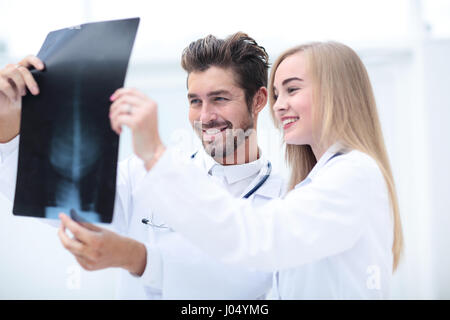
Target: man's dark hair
(242, 54)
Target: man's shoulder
(131, 168)
(130, 161)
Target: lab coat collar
(232, 173)
(7, 148)
(331, 151)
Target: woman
(337, 233)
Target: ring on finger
(129, 109)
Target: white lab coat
(176, 269)
(330, 238)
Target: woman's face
(293, 96)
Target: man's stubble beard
(234, 138)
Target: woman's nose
(279, 105)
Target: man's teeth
(214, 131)
(290, 120)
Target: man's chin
(210, 149)
(213, 150)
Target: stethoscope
(264, 175)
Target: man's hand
(14, 79)
(135, 110)
(97, 248)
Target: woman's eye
(290, 90)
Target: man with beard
(226, 83)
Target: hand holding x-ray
(134, 109)
(15, 79)
(97, 248)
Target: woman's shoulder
(358, 158)
(355, 163)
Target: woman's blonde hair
(344, 110)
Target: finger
(91, 227)
(123, 106)
(114, 111)
(122, 119)
(29, 80)
(16, 77)
(122, 109)
(34, 61)
(80, 233)
(118, 130)
(74, 246)
(85, 263)
(125, 120)
(114, 127)
(7, 89)
(126, 91)
(134, 101)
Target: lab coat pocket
(155, 222)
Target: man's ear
(259, 100)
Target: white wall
(34, 265)
(437, 105)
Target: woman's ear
(259, 100)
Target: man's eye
(220, 99)
(194, 101)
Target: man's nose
(208, 113)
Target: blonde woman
(337, 233)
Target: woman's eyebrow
(290, 79)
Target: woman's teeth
(290, 120)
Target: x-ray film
(68, 152)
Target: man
(226, 83)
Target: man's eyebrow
(290, 79)
(210, 94)
(218, 92)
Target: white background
(404, 44)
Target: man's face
(218, 111)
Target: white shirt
(176, 269)
(329, 238)
(235, 179)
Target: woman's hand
(134, 109)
